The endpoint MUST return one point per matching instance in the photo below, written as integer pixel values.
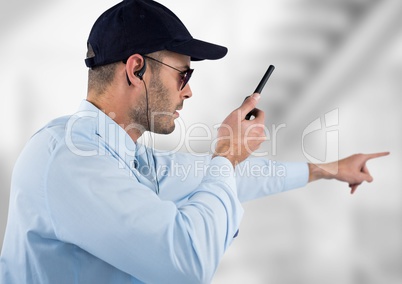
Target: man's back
(30, 220)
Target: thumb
(364, 177)
(249, 103)
(365, 170)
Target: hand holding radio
(238, 136)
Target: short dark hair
(99, 78)
(155, 66)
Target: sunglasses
(185, 75)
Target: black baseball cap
(144, 26)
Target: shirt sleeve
(103, 209)
(255, 177)
(259, 177)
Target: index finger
(376, 155)
(259, 116)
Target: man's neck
(118, 116)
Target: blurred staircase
(322, 47)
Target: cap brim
(199, 50)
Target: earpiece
(140, 73)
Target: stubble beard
(159, 118)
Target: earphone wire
(151, 142)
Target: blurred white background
(329, 55)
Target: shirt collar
(114, 136)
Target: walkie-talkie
(261, 86)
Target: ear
(135, 69)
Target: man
(89, 204)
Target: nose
(186, 93)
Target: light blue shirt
(85, 207)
